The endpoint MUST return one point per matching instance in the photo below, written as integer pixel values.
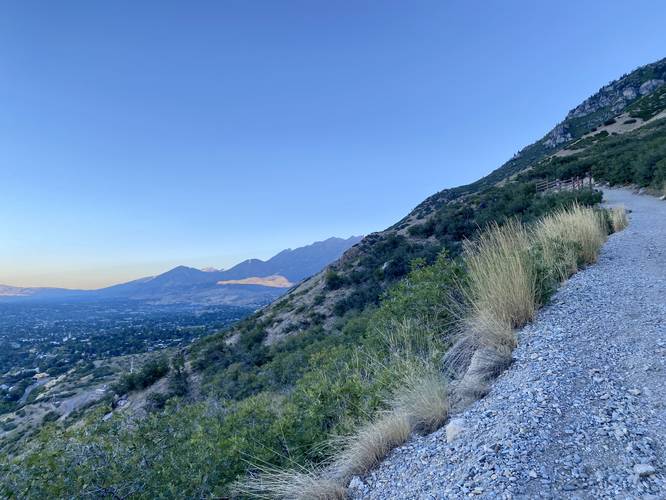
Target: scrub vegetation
(360, 393)
(637, 158)
(508, 271)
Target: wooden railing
(571, 184)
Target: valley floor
(582, 411)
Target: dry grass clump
(619, 219)
(501, 292)
(502, 281)
(284, 484)
(423, 398)
(419, 401)
(510, 270)
(420, 404)
(485, 365)
(559, 258)
(580, 226)
(363, 450)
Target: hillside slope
(441, 221)
(580, 412)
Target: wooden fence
(572, 184)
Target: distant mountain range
(253, 282)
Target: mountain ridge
(191, 285)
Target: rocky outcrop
(559, 135)
(650, 86)
(609, 101)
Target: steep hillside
(580, 412)
(360, 277)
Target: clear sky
(135, 136)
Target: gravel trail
(582, 411)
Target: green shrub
(334, 280)
(51, 416)
(150, 373)
(156, 401)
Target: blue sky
(135, 136)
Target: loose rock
(454, 429)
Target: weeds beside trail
(580, 412)
(509, 272)
(512, 270)
(300, 484)
(619, 218)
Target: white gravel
(582, 411)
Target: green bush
(638, 157)
(51, 416)
(334, 280)
(150, 373)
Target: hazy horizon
(118, 276)
(137, 137)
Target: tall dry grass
(505, 272)
(284, 484)
(359, 452)
(423, 398)
(581, 227)
(418, 402)
(501, 285)
(510, 269)
(619, 219)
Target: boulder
(643, 470)
(650, 86)
(454, 429)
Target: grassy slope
(638, 157)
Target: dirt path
(30, 388)
(582, 411)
